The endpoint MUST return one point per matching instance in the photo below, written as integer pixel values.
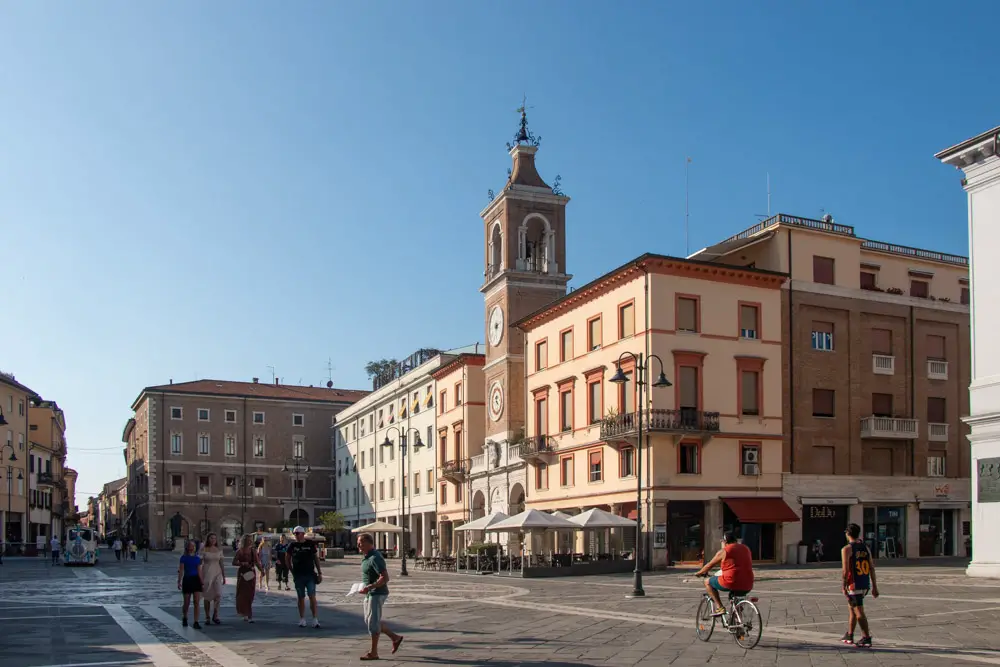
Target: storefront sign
(942, 490)
(660, 536)
(989, 481)
(823, 512)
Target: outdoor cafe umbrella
(532, 520)
(378, 527)
(483, 522)
(598, 518)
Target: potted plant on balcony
(610, 419)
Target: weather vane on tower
(524, 135)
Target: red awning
(761, 510)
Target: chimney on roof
(276, 381)
(256, 380)
(171, 380)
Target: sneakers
(302, 622)
(315, 622)
(864, 642)
(196, 625)
(184, 621)
(848, 638)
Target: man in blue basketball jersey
(858, 573)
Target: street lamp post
(299, 465)
(403, 455)
(204, 526)
(641, 365)
(10, 479)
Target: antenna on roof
(271, 368)
(329, 371)
(769, 194)
(687, 210)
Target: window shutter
(687, 314)
(748, 318)
(881, 341)
(823, 402)
(935, 347)
(882, 405)
(689, 387)
(936, 410)
(749, 396)
(823, 270)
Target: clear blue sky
(206, 189)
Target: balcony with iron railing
(794, 221)
(889, 428)
(537, 448)
(916, 253)
(46, 479)
(454, 471)
(682, 420)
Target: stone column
(428, 541)
(912, 530)
(979, 159)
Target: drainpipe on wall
(647, 546)
(913, 398)
(791, 361)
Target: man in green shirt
(375, 580)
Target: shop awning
(761, 510)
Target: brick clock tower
(525, 260)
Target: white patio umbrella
(378, 527)
(533, 520)
(598, 518)
(483, 522)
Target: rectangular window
(935, 347)
(626, 394)
(822, 336)
(230, 416)
(258, 487)
(298, 447)
(204, 487)
(750, 460)
(868, 281)
(595, 400)
(935, 466)
(566, 345)
(176, 484)
(298, 420)
(458, 493)
(823, 403)
(882, 342)
(626, 320)
(596, 466)
(392, 488)
(594, 334)
(258, 446)
(354, 496)
(750, 399)
(176, 442)
(381, 490)
(690, 395)
(203, 414)
(176, 413)
(626, 462)
(443, 402)
(749, 322)
(919, 288)
(444, 494)
(566, 410)
(258, 418)
(823, 270)
(542, 475)
(542, 416)
(937, 412)
(541, 355)
(230, 445)
(458, 394)
(416, 483)
(371, 422)
(371, 492)
(687, 313)
(964, 297)
(566, 471)
(203, 444)
(430, 479)
(362, 459)
(230, 489)
(882, 405)
(430, 439)
(689, 463)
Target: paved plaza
(128, 614)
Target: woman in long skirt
(247, 566)
(214, 575)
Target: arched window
(496, 251)
(536, 245)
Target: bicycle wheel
(704, 622)
(749, 624)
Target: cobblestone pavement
(128, 614)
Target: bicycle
(742, 619)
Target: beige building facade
(50, 499)
(876, 371)
(228, 457)
(14, 429)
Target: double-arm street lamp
(401, 434)
(10, 479)
(641, 366)
(298, 465)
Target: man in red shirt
(736, 562)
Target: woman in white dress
(264, 554)
(214, 576)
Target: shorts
(373, 613)
(856, 598)
(717, 585)
(191, 584)
(305, 584)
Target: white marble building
(979, 159)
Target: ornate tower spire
(524, 135)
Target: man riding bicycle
(736, 562)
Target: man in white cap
(302, 560)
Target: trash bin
(792, 554)
(803, 554)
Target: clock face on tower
(496, 401)
(496, 326)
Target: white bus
(81, 547)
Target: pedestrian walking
(54, 547)
(280, 567)
(264, 554)
(117, 546)
(375, 577)
(132, 548)
(302, 559)
(247, 565)
(214, 576)
(189, 583)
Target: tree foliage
(332, 522)
(382, 369)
